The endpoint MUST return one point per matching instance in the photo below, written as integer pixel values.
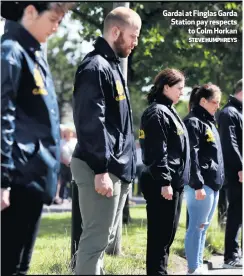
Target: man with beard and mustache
(104, 160)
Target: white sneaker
(197, 271)
(233, 264)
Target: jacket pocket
(42, 168)
(112, 142)
(120, 145)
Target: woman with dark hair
(30, 128)
(165, 153)
(190, 106)
(207, 171)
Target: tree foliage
(63, 61)
(162, 45)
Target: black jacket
(165, 145)
(230, 130)
(29, 115)
(207, 167)
(102, 115)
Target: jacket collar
(234, 102)
(162, 99)
(26, 40)
(203, 114)
(102, 47)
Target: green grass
(52, 250)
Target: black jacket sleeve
(157, 136)
(89, 116)
(228, 127)
(10, 77)
(194, 138)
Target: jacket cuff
(163, 179)
(165, 183)
(197, 186)
(99, 171)
(5, 181)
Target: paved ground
(215, 267)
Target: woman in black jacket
(165, 153)
(29, 127)
(207, 171)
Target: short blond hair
(121, 16)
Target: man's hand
(200, 194)
(5, 196)
(103, 184)
(167, 192)
(240, 176)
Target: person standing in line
(165, 153)
(207, 171)
(230, 129)
(67, 148)
(29, 128)
(104, 160)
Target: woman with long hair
(165, 153)
(207, 171)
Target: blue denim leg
(209, 219)
(200, 214)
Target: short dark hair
(206, 91)
(238, 87)
(168, 76)
(14, 11)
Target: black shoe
(233, 264)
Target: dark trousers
(222, 205)
(162, 222)
(139, 169)
(19, 227)
(65, 182)
(234, 221)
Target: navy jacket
(102, 115)
(30, 134)
(230, 130)
(165, 144)
(207, 167)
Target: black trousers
(19, 227)
(234, 221)
(65, 177)
(162, 221)
(222, 205)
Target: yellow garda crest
(120, 89)
(39, 83)
(141, 134)
(179, 128)
(210, 135)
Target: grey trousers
(100, 218)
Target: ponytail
(193, 97)
(151, 95)
(206, 91)
(168, 76)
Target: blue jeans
(200, 215)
